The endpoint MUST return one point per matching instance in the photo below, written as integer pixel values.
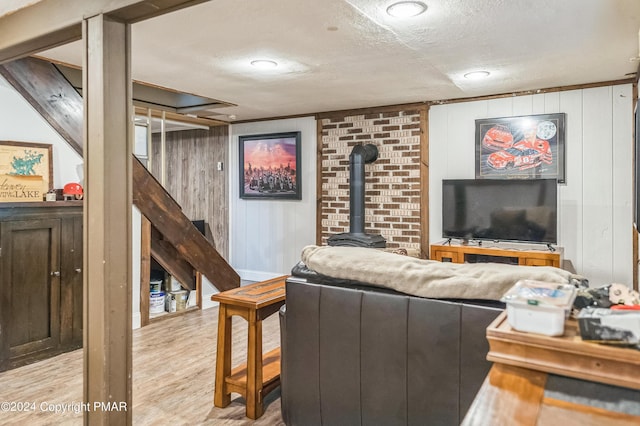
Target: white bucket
(156, 302)
(155, 286)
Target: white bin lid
(535, 293)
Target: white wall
(136, 233)
(595, 204)
(19, 122)
(267, 236)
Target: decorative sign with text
(26, 172)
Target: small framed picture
(525, 147)
(270, 166)
(26, 171)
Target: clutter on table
(609, 314)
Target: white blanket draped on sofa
(425, 278)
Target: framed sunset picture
(270, 166)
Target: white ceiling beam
(50, 23)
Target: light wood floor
(173, 377)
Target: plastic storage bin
(539, 307)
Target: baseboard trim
(207, 302)
(257, 275)
(136, 320)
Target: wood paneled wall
(192, 177)
(268, 235)
(594, 205)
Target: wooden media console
(467, 253)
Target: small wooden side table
(261, 374)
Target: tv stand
(449, 251)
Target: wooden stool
(261, 374)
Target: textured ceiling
(10, 6)
(342, 54)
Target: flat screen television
(521, 210)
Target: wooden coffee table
(261, 373)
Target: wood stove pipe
(360, 155)
(356, 237)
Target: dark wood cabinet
(40, 281)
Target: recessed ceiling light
(477, 75)
(406, 9)
(264, 64)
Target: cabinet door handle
(78, 270)
(55, 274)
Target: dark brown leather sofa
(360, 355)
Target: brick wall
(392, 202)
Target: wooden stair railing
(165, 214)
(183, 246)
(172, 262)
(49, 93)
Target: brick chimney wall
(392, 189)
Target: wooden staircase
(182, 240)
(181, 249)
